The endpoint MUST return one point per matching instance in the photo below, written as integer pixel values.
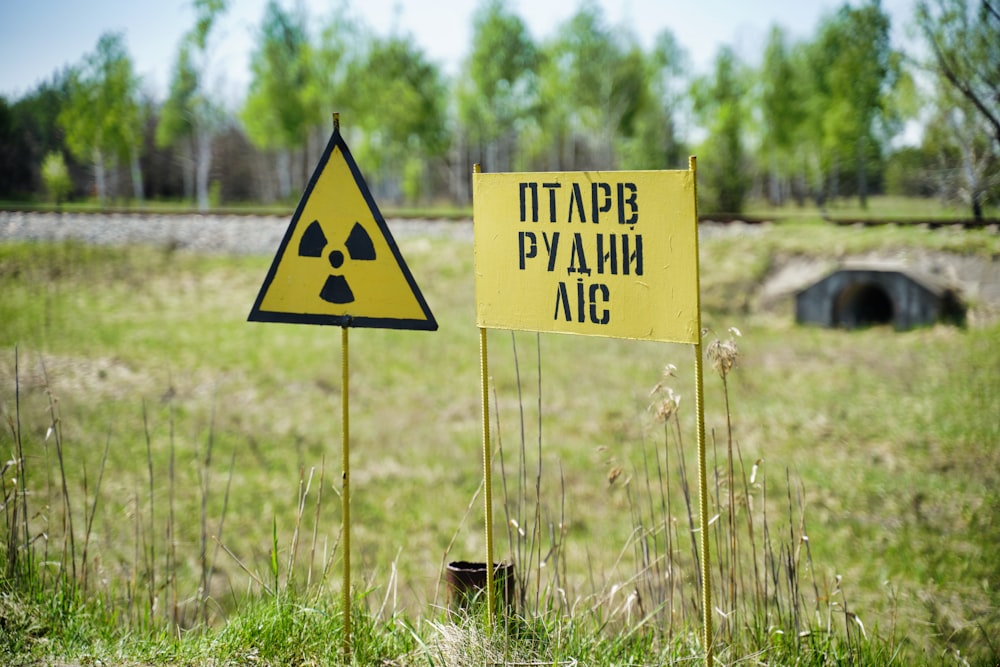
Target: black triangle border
(257, 314)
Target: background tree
(819, 116)
(627, 97)
(177, 116)
(909, 173)
(968, 164)
(964, 132)
(190, 116)
(496, 88)
(718, 102)
(326, 90)
(854, 69)
(592, 89)
(654, 141)
(965, 44)
(8, 151)
(131, 112)
(102, 116)
(29, 130)
(275, 114)
(55, 175)
(782, 113)
(401, 106)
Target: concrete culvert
(871, 296)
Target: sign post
(699, 408)
(339, 265)
(612, 254)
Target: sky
(40, 37)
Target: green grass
(889, 442)
(880, 207)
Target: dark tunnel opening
(861, 305)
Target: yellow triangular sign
(338, 263)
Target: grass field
(197, 458)
(879, 207)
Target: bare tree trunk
(135, 170)
(188, 168)
(835, 179)
(284, 174)
(315, 144)
(862, 173)
(973, 184)
(459, 174)
(265, 176)
(774, 184)
(972, 178)
(113, 181)
(306, 171)
(492, 157)
(99, 182)
(204, 166)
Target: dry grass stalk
(93, 509)
(55, 429)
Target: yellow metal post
(345, 466)
(487, 468)
(487, 475)
(706, 573)
(699, 407)
(346, 489)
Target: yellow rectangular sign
(610, 254)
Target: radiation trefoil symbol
(359, 246)
(337, 263)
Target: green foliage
(829, 107)
(856, 70)
(592, 91)
(655, 142)
(13, 176)
(275, 115)
(967, 163)
(496, 90)
(783, 111)
(401, 105)
(965, 50)
(206, 12)
(963, 136)
(215, 194)
(906, 174)
(326, 90)
(190, 116)
(817, 120)
(176, 114)
(719, 102)
(102, 117)
(56, 177)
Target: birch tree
(276, 114)
(103, 117)
(192, 116)
(496, 88)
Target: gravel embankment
(228, 234)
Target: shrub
(56, 177)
